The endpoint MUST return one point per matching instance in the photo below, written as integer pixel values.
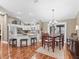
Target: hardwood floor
(68, 54)
(9, 52)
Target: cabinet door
(27, 28)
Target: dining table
(53, 38)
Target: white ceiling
(29, 10)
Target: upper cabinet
(27, 27)
(16, 22)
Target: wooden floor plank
(22, 53)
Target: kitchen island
(19, 37)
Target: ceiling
(34, 10)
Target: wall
(10, 19)
(3, 22)
(1, 19)
(71, 24)
(77, 22)
(45, 26)
(5, 28)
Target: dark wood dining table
(53, 38)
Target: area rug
(58, 54)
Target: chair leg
(59, 45)
(20, 43)
(53, 46)
(53, 49)
(31, 42)
(44, 45)
(12, 43)
(9, 42)
(36, 41)
(16, 43)
(26, 42)
(48, 46)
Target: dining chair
(47, 41)
(13, 42)
(59, 41)
(33, 40)
(23, 40)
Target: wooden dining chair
(47, 40)
(59, 41)
(62, 39)
(13, 42)
(44, 37)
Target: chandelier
(53, 21)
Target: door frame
(65, 28)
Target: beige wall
(45, 26)
(10, 19)
(77, 23)
(71, 24)
(3, 22)
(1, 19)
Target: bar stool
(13, 41)
(22, 40)
(33, 40)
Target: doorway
(58, 28)
(61, 29)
